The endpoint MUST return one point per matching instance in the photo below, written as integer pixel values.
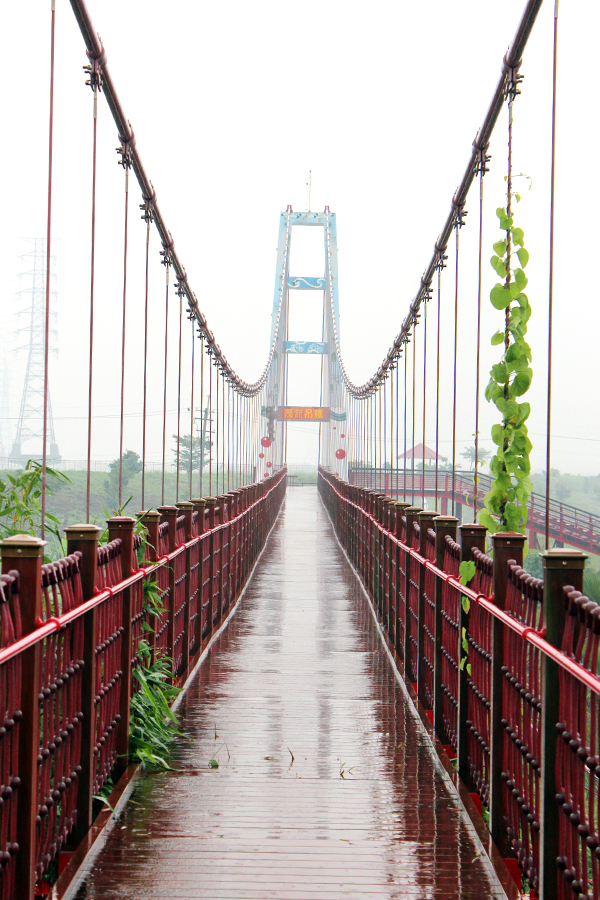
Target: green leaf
(523, 256)
(486, 519)
(467, 571)
(520, 384)
(499, 372)
(498, 434)
(520, 279)
(518, 198)
(500, 296)
(508, 408)
(498, 266)
(466, 604)
(500, 247)
(213, 764)
(501, 213)
(518, 235)
(497, 338)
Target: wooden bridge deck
(300, 668)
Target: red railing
(568, 524)
(507, 668)
(70, 640)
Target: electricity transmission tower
(5, 392)
(30, 424)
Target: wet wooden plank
(361, 812)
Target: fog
(232, 104)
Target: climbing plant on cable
(505, 505)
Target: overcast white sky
(232, 103)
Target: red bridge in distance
(569, 525)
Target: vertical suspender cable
(191, 494)
(48, 260)
(210, 441)
(551, 271)
(179, 397)
(457, 226)
(425, 304)
(437, 384)
(397, 423)
(414, 395)
(167, 262)
(92, 276)
(405, 405)
(391, 432)
(475, 476)
(217, 434)
(202, 419)
(125, 163)
(223, 432)
(145, 400)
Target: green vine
(510, 378)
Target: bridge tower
(330, 415)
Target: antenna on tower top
(308, 189)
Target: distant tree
(132, 465)
(482, 456)
(560, 489)
(184, 452)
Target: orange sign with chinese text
(303, 414)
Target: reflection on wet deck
(361, 811)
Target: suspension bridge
(374, 697)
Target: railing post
(412, 515)
(187, 510)
(150, 520)
(445, 526)
(122, 527)
(426, 520)
(471, 536)
(84, 538)
(169, 514)
(561, 567)
(401, 506)
(211, 503)
(507, 545)
(25, 554)
(199, 504)
(222, 501)
(390, 521)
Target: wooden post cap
(121, 523)
(508, 539)
(21, 546)
(82, 532)
(148, 515)
(184, 504)
(445, 521)
(559, 558)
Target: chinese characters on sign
(303, 413)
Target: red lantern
(334, 428)
(342, 435)
(266, 474)
(340, 454)
(269, 464)
(266, 442)
(261, 455)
